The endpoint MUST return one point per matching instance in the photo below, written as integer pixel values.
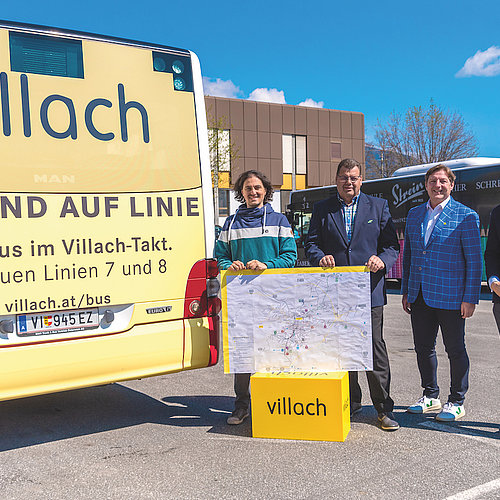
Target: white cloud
(220, 88)
(485, 63)
(226, 88)
(267, 95)
(311, 103)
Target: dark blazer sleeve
(492, 252)
(314, 241)
(388, 244)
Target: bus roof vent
(45, 55)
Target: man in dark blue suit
(353, 229)
(492, 261)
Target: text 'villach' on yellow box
(300, 405)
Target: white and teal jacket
(256, 233)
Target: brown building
(294, 146)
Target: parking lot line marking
(215, 410)
(462, 432)
(476, 491)
(178, 405)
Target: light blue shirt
(349, 213)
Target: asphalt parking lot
(166, 437)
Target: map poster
(301, 319)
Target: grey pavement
(166, 437)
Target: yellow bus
(106, 212)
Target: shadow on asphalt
(210, 411)
(428, 422)
(52, 417)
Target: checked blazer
(373, 234)
(448, 269)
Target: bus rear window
(46, 55)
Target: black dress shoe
(387, 422)
(355, 408)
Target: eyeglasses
(345, 179)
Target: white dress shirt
(431, 217)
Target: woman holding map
(255, 237)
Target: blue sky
(373, 57)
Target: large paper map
(307, 319)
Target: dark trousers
(496, 313)
(379, 380)
(242, 391)
(425, 322)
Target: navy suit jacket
(492, 252)
(373, 234)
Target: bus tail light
(202, 300)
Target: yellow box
(301, 405)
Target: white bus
(477, 185)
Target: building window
(219, 144)
(294, 155)
(224, 208)
(300, 156)
(284, 199)
(336, 150)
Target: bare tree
(223, 152)
(380, 160)
(423, 135)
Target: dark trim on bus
(47, 30)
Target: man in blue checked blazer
(353, 229)
(442, 268)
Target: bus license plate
(29, 325)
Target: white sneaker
(424, 404)
(451, 412)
